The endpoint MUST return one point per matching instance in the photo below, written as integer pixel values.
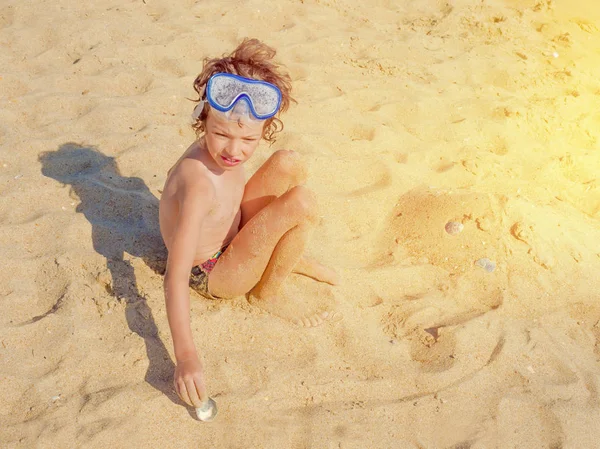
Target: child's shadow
(124, 218)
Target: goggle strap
(198, 110)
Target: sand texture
(411, 114)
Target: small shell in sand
(454, 227)
(208, 411)
(487, 264)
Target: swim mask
(237, 97)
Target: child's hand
(189, 382)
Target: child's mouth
(230, 161)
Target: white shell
(208, 411)
(487, 264)
(454, 227)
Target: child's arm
(194, 205)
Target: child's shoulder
(189, 173)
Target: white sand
(410, 114)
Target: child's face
(231, 143)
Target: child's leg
(264, 253)
(282, 171)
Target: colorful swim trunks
(199, 275)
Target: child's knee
(304, 202)
(289, 163)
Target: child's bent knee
(290, 164)
(285, 159)
(304, 202)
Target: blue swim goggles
(236, 96)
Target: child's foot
(302, 309)
(313, 269)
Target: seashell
(207, 411)
(487, 264)
(454, 227)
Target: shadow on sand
(124, 218)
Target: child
(235, 237)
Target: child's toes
(316, 320)
(307, 322)
(311, 321)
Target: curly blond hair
(251, 59)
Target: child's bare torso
(222, 223)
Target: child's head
(251, 59)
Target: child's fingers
(201, 389)
(192, 393)
(182, 392)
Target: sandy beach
(454, 149)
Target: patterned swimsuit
(199, 275)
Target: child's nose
(234, 148)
